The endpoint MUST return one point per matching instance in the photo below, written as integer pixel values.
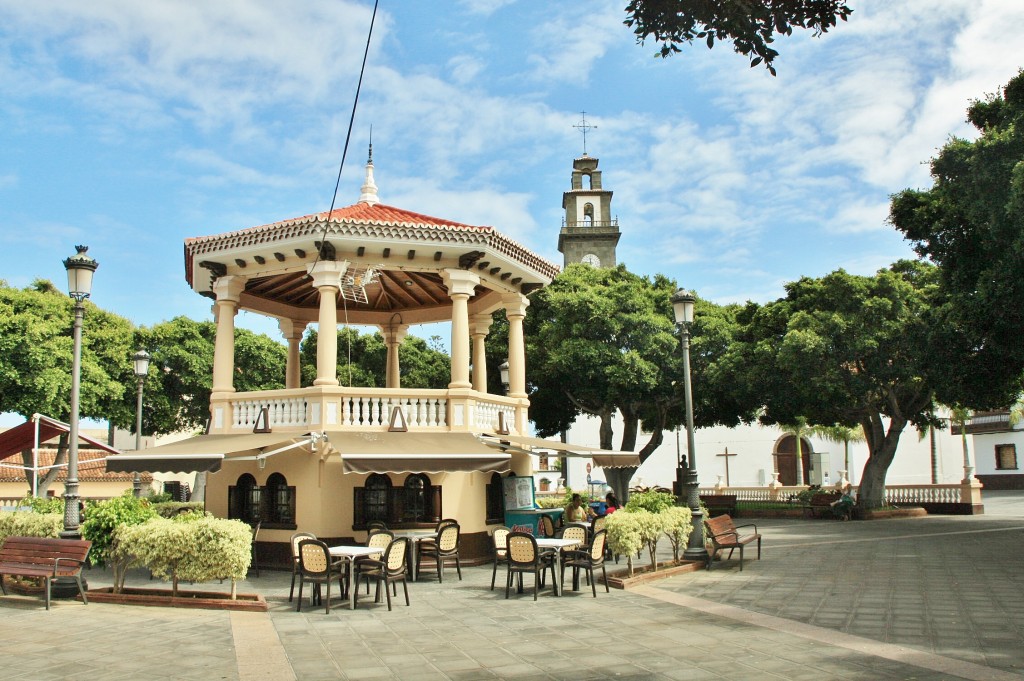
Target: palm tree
(960, 416)
(840, 433)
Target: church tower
(589, 233)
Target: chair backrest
(522, 548)
(444, 523)
(500, 537)
(394, 555)
(547, 526)
(296, 538)
(597, 524)
(375, 525)
(597, 546)
(577, 532)
(448, 539)
(314, 557)
(256, 529)
(379, 539)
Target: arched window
(280, 499)
(588, 214)
(375, 498)
(415, 507)
(586, 181)
(244, 500)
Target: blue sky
(129, 126)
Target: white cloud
(226, 172)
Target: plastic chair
(546, 526)
(378, 539)
(253, 565)
(294, 542)
(577, 532)
(500, 539)
(445, 548)
(589, 559)
(316, 567)
(523, 557)
(391, 570)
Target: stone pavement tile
(471, 675)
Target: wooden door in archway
(785, 460)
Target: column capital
(480, 324)
(229, 287)
(460, 281)
(327, 273)
(395, 333)
(515, 304)
(291, 328)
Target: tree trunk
(618, 479)
(199, 488)
(606, 431)
(881, 452)
(935, 455)
(43, 482)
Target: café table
(349, 554)
(414, 537)
(557, 546)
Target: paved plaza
(925, 599)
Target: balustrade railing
(370, 411)
(895, 495)
(282, 411)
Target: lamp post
(80, 268)
(686, 477)
(141, 360)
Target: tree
(750, 25)
(601, 340)
(847, 350)
(35, 361)
(844, 435)
(971, 224)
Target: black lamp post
(80, 269)
(141, 360)
(686, 477)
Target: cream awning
(605, 458)
(412, 452)
(204, 452)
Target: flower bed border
(620, 579)
(208, 600)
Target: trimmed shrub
(44, 504)
(101, 527)
(624, 535)
(170, 509)
(29, 524)
(678, 525)
(189, 547)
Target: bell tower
(589, 232)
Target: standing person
(576, 511)
(611, 503)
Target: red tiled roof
(91, 468)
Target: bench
(43, 557)
(822, 503)
(719, 504)
(724, 534)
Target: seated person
(611, 503)
(577, 511)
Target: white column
(292, 331)
(326, 276)
(461, 285)
(393, 334)
(480, 325)
(515, 310)
(228, 290)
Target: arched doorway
(785, 459)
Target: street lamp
(503, 369)
(686, 477)
(80, 269)
(141, 360)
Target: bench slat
(44, 557)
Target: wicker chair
(577, 532)
(316, 567)
(523, 556)
(587, 560)
(254, 566)
(442, 550)
(296, 538)
(546, 525)
(390, 570)
(500, 538)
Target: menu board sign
(518, 492)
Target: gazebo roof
(407, 251)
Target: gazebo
(328, 458)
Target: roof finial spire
(369, 188)
(583, 126)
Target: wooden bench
(821, 504)
(43, 557)
(724, 534)
(719, 504)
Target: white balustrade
(487, 415)
(284, 411)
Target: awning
(409, 452)
(205, 452)
(605, 458)
(24, 436)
